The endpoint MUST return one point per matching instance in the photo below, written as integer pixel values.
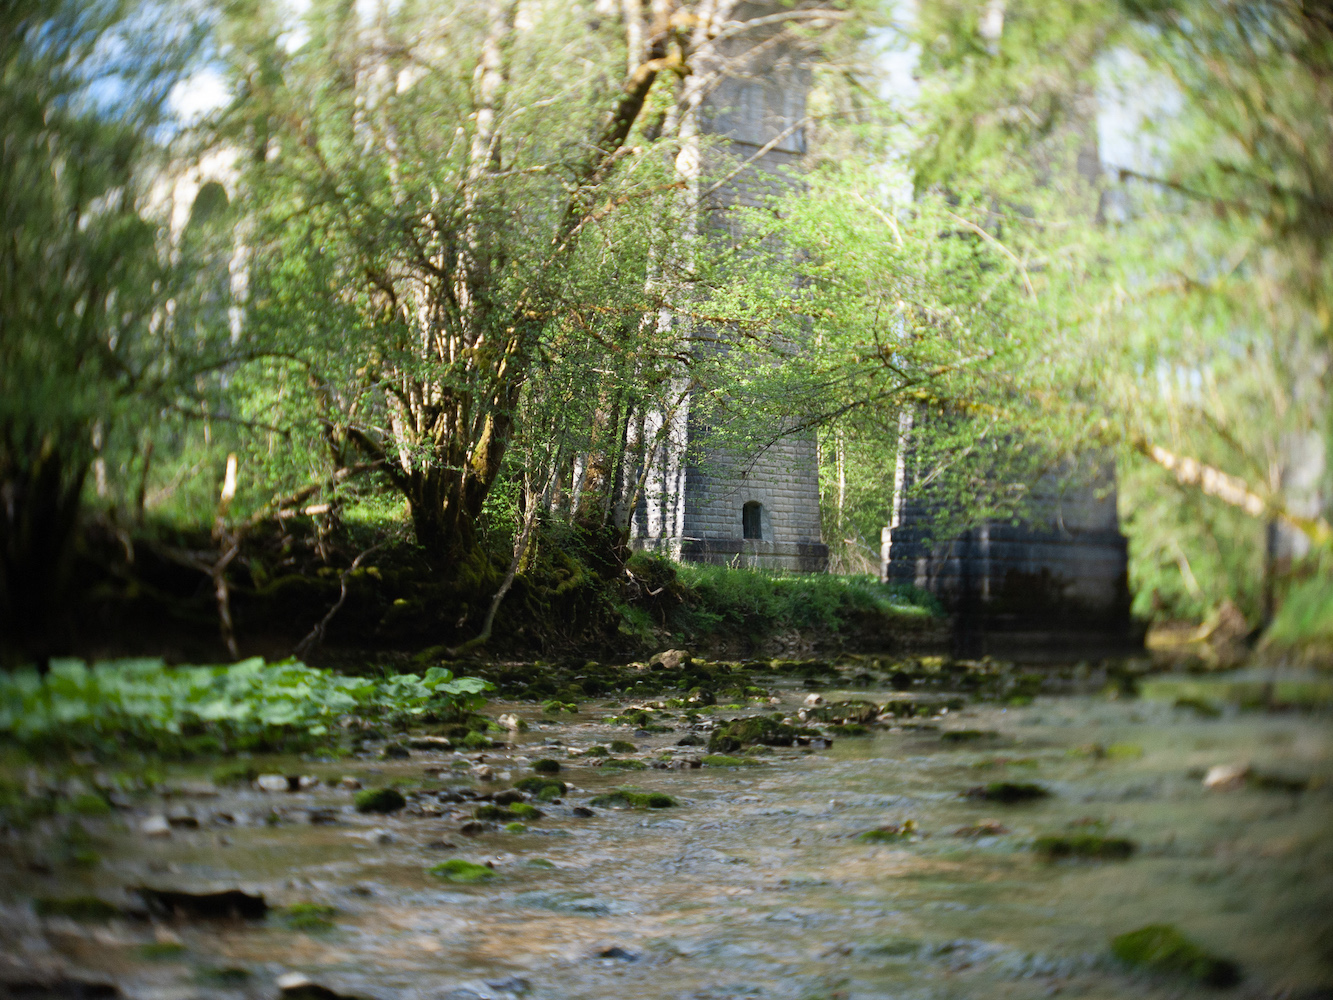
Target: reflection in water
(756, 885)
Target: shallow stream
(754, 885)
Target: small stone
(307, 782)
(271, 783)
(617, 953)
(473, 828)
(348, 782)
(484, 773)
(668, 659)
(811, 700)
(155, 826)
(1226, 777)
(583, 812)
(182, 821)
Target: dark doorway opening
(752, 520)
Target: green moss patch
(1008, 792)
(505, 814)
(1162, 949)
(546, 766)
(542, 787)
(626, 765)
(722, 760)
(1084, 845)
(379, 800)
(465, 872)
(623, 746)
(731, 736)
(307, 916)
(629, 798)
(958, 736)
(893, 833)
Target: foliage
(244, 704)
(84, 347)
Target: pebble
(350, 783)
(271, 783)
(1226, 777)
(155, 826)
(811, 700)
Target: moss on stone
(630, 798)
(458, 870)
(308, 916)
(967, 735)
(1084, 845)
(1008, 792)
(379, 800)
(723, 760)
(622, 746)
(542, 788)
(731, 736)
(1162, 949)
(893, 833)
(626, 765)
(597, 751)
(546, 766)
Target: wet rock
(1084, 845)
(395, 751)
(668, 659)
(298, 986)
(464, 872)
(736, 733)
(306, 782)
(474, 828)
(155, 826)
(1007, 792)
(1162, 949)
(508, 797)
(379, 800)
(484, 773)
(583, 812)
(985, 828)
(542, 789)
(441, 845)
(616, 953)
(811, 700)
(182, 821)
(349, 783)
(510, 984)
(1226, 777)
(273, 783)
(436, 743)
(229, 904)
(546, 766)
(322, 817)
(623, 746)
(625, 764)
(690, 741)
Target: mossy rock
(539, 863)
(597, 751)
(86, 909)
(629, 798)
(542, 788)
(722, 760)
(736, 733)
(503, 814)
(1008, 792)
(968, 735)
(626, 765)
(1084, 845)
(849, 729)
(515, 827)
(623, 746)
(891, 834)
(546, 766)
(308, 916)
(395, 751)
(379, 800)
(1162, 949)
(465, 872)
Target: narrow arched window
(752, 520)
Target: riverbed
(756, 884)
